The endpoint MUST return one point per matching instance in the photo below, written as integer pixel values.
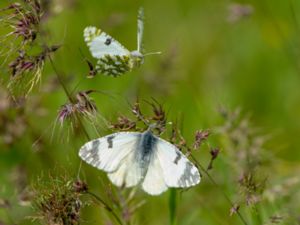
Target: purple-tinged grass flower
(245, 149)
(214, 152)
(80, 186)
(92, 69)
(26, 71)
(124, 124)
(57, 202)
(85, 104)
(65, 112)
(82, 105)
(178, 140)
(234, 209)
(239, 11)
(136, 110)
(24, 19)
(158, 116)
(157, 119)
(252, 187)
(200, 137)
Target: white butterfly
(113, 58)
(134, 158)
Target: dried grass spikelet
(57, 201)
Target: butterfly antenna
(152, 53)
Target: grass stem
(172, 206)
(219, 188)
(107, 207)
(60, 79)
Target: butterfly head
(137, 58)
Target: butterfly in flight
(113, 58)
(134, 158)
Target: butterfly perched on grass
(113, 58)
(134, 158)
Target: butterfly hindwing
(177, 170)
(113, 65)
(128, 174)
(109, 152)
(154, 183)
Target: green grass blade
(172, 206)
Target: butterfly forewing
(140, 31)
(177, 170)
(101, 44)
(109, 152)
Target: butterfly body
(134, 158)
(137, 59)
(144, 150)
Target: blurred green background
(214, 55)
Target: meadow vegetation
(225, 90)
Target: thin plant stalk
(172, 206)
(219, 188)
(107, 207)
(68, 95)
